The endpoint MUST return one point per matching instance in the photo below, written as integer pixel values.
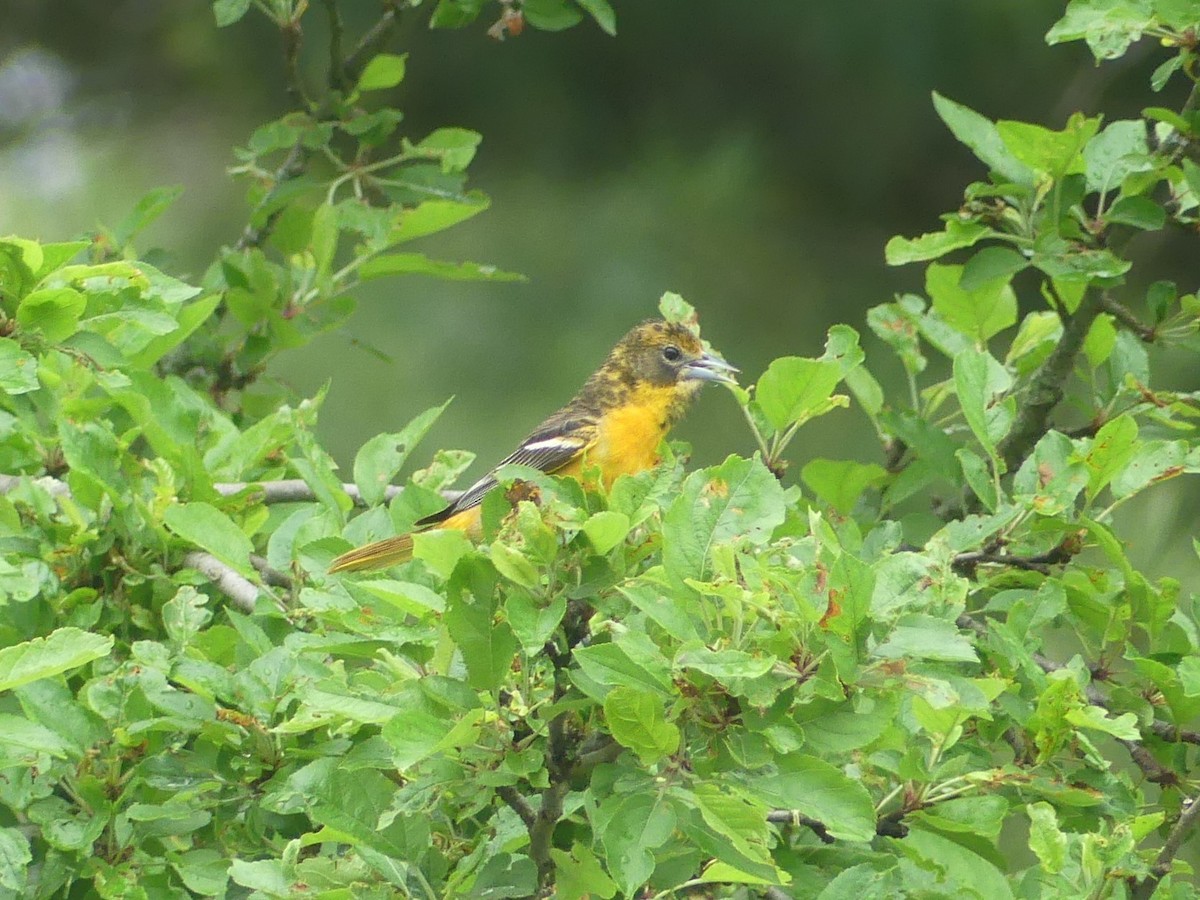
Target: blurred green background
(754, 157)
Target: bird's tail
(379, 555)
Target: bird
(614, 424)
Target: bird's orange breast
(628, 435)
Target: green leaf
(1111, 450)
(487, 645)
(982, 136)
(1056, 153)
(408, 597)
(1115, 153)
(1137, 212)
(18, 370)
(551, 15)
(1153, 461)
(602, 12)
(1108, 26)
(229, 11)
(62, 649)
(455, 13)
(982, 815)
(505, 875)
(957, 234)
(210, 529)
(453, 147)
(151, 205)
(324, 238)
(579, 875)
(991, 264)
(381, 457)
(738, 501)
(54, 312)
(925, 637)
(724, 665)
(355, 803)
(1189, 675)
(634, 827)
(1045, 837)
(611, 665)
(1094, 718)
(431, 216)
(980, 313)
(794, 389)
(420, 264)
(23, 741)
(978, 379)
(265, 875)
(817, 789)
(441, 549)
(191, 317)
(533, 624)
(15, 857)
(94, 456)
(385, 70)
(841, 482)
(738, 821)
(635, 719)
(1052, 476)
(606, 529)
(959, 868)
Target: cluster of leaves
(703, 680)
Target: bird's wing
(555, 445)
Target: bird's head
(668, 354)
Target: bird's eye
(671, 353)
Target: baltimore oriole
(615, 423)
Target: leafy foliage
(709, 679)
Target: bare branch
(518, 804)
(376, 37)
(1048, 385)
(337, 76)
(1144, 889)
(791, 817)
(52, 486)
(292, 167)
(243, 592)
(1125, 316)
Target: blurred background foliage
(754, 157)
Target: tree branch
(293, 166)
(1048, 385)
(791, 817)
(243, 592)
(1125, 316)
(376, 37)
(1187, 820)
(518, 804)
(337, 76)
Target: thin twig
(1144, 889)
(292, 490)
(285, 490)
(1048, 386)
(377, 35)
(293, 166)
(518, 804)
(337, 76)
(791, 817)
(1125, 316)
(243, 592)
(270, 576)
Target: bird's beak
(710, 368)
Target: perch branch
(1048, 385)
(243, 592)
